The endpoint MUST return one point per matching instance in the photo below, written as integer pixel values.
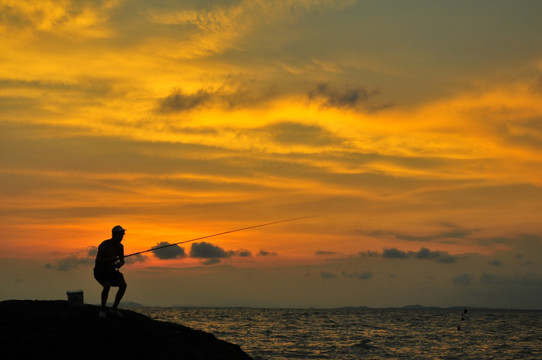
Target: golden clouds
(66, 17)
(225, 26)
(241, 110)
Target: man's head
(118, 232)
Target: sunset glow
(402, 126)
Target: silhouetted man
(109, 259)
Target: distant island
(39, 329)
(420, 307)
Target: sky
(410, 130)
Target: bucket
(75, 298)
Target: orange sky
(400, 126)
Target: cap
(118, 228)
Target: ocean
(359, 333)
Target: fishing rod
(218, 234)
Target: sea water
(359, 333)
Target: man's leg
(105, 293)
(120, 294)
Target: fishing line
(218, 234)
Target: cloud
(425, 253)
(205, 250)
(463, 279)
(494, 240)
(394, 254)
(532, 280)
(445, 235)
(213, 254)
(327, 275)
(324, 252)
(358, 275)
(211, 261)
(524, 244)
(69, 263)
(292, 133)
(135, 259)
(455, 232)
(69, 17)
(422, 254)
(217, 28)
(178, 101)
(84, 257)
(537, 85)
(440, 256)
(242, 253)
(524, 133)
(264, 252)
(92, 251)
(169, 252)
(379, 233)
(224, 97)
(348, 97)
(81, 257)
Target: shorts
(110, 275)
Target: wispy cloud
(422, 254)
(358, 275)
(84, 18)
(292, 133)
(440, 256)
(82, 257)
(500, 280)
(222, 27)
(363, 275)
(178, 101)
(69, 263)
(346, 97)
(85, 258)
(454, 232)
(224, 97)
(325, 252)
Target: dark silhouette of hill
(36, 329)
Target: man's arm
(120, 261)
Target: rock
(37, 329)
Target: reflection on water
(367, 333)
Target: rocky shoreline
(39, 329)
